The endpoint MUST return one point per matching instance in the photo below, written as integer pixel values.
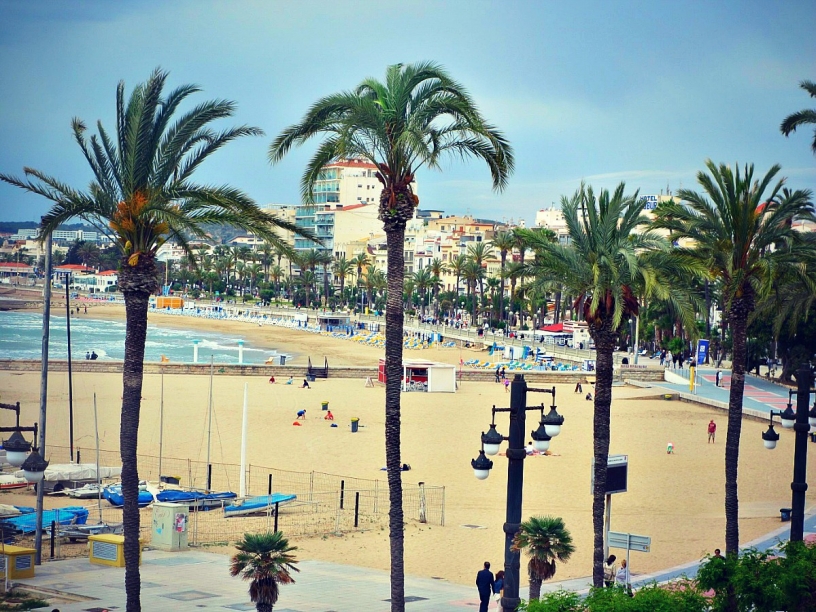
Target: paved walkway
(193, 580)
(761, 394)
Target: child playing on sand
(289, 381)
(301, 415)
(329, 416)
(506, 385)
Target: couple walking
(489, 586)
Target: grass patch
(20, 600)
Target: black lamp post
(19, 451)
(549, 427)
(801, 422)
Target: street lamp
(19, 451)
(548, 428)
(801, 422)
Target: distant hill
(13, 226)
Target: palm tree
(546, 540)
(343, 268)
(413, 119)
(438, 268)
(504, 242)
(266, 561)
(803, 117)
(88, 253)
(325, 259)
(422, 282)
(142, 195)
(473, 273)
(740, 230)
(606, 261)
(479, 253)
(457, 266)
(276, 272)
(360, 260)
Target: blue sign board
(702, 351)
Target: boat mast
(161, 425)
(209, 426)
(98, 475)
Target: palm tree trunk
(557, 309)
(394, 319)
(137, 283)
(535, 589)
(739, 317)
(501, 289)
(604, 338)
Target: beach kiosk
(173, 302)
(330, 321)
(427, 376)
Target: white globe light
(33, 476)
(541, 445)
(552, 430)
(812, 421)
(481, 474)
(770, 444)
(787, 423)
(492, 449)
(16, 458)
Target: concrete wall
(283, 372)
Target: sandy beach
(676, 499)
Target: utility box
(20, 562)
(170, 526)
(109, 549)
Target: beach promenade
(193, 580)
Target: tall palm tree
(276, 273)
(740, 230)
(142, 195)
(413, 119)
(422, 282)
(546, 540)
(603, 265)
(325, 259)
(266, 561)
(480, 253)
(361, 260)
(803, 117)
(457, 266)
(342, 269)
(438, 268)
(473, 273)
(504, 242)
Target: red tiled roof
(108, 273)
(351, 163)
(72, 268)
(14, 264)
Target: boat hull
(258, 505)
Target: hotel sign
(649, 202)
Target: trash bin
(785, 514)
(813, 437)
(324, 406)
(283, 359)
(355, 423)
(310, 377)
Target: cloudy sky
(604, 91)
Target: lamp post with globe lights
(549, 427)
(800, 421)
(20, 452)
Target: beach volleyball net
(324, 504)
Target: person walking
(484, 582)
(610, 570)
(498, 587)
(712, 431)
(498, 373)
(503, 373)
(578, 387)
(717, 378)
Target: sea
(21, 338)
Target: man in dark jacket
(484, 582)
